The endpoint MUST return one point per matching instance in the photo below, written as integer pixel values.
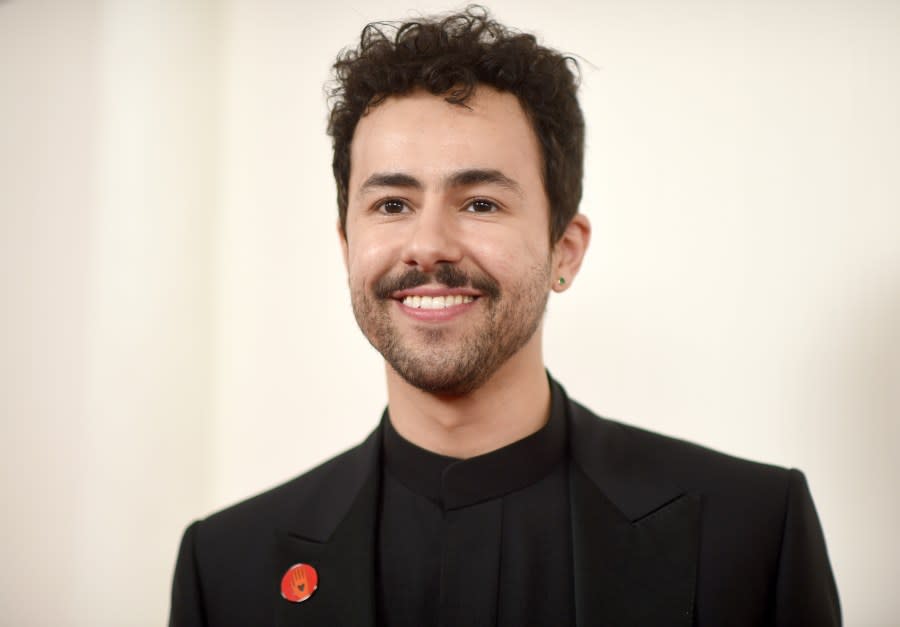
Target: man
(486, 496)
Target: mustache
(445, 274)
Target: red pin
(299, 583)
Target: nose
(432, 239)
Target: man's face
(447, 244)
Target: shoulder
(313, 500)
(761, 546)
(228, 560)
(611, 451)
(748, 511)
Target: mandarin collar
(455, 483)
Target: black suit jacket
(664, 533)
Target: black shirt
(478, 542)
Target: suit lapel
(336, 535)
(634, 534)
(639, 573)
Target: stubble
(442, 361)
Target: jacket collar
(625, 473)
(329, 492)
(635, 534)
(333, 528)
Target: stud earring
(562, 281)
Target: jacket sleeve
(806, 593)
(187, 608)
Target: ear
(342, 236)
(569, 251)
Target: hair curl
(451, 56)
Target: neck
(511, 405)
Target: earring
(562, 281)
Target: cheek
(505, 255)
(369, 258)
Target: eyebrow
(460, 178)
(475, 176)
(390, 179)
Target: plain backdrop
(175, 325)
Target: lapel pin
(299, 583)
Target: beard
(431, 358)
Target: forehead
(424, 135)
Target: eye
(392, 206)
(480, 205)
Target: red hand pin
(299, 583)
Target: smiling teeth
(436, 302)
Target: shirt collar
(454, 483)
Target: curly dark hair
(450, 56)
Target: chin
(437, 379)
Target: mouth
(431, 301)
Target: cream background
(176, 332)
